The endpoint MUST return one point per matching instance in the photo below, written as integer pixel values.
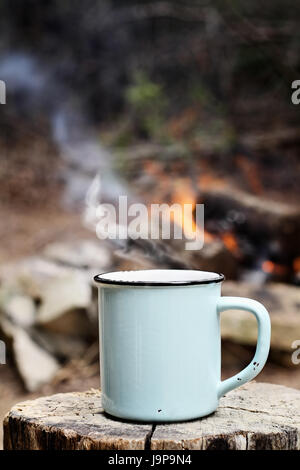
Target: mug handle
(263, 340)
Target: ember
(270, 267)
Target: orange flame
(251, 173)
(174, 190)
(270, 267)
(230, 242)
(183, 194)
(296, 264)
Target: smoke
(158, 252)
(85, 157)
(34, 93)
(87, 169)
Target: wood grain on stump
(255, 416)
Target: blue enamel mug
(160, 343)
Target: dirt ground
(24, 232)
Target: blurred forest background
(169, 101)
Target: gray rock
(20, 309)
(64, 304)
(62, 346)
(31, 275)
(63, 294)
(80, 254)
(35, 366)
(282, 302)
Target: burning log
(265, 230)
(258, 214)
(275, 138)
(216, 257)
(171, 254)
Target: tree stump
(255, 416)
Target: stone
(30, 275)
(63, 294)
(63, 304)
(35, 366)
(256, 416)
(282, 302)
(62, 346)
(20, 309)
(81, 254)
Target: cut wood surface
(255, 416)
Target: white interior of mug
(159, 276)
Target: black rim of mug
(104, 280)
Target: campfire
(258, 234)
